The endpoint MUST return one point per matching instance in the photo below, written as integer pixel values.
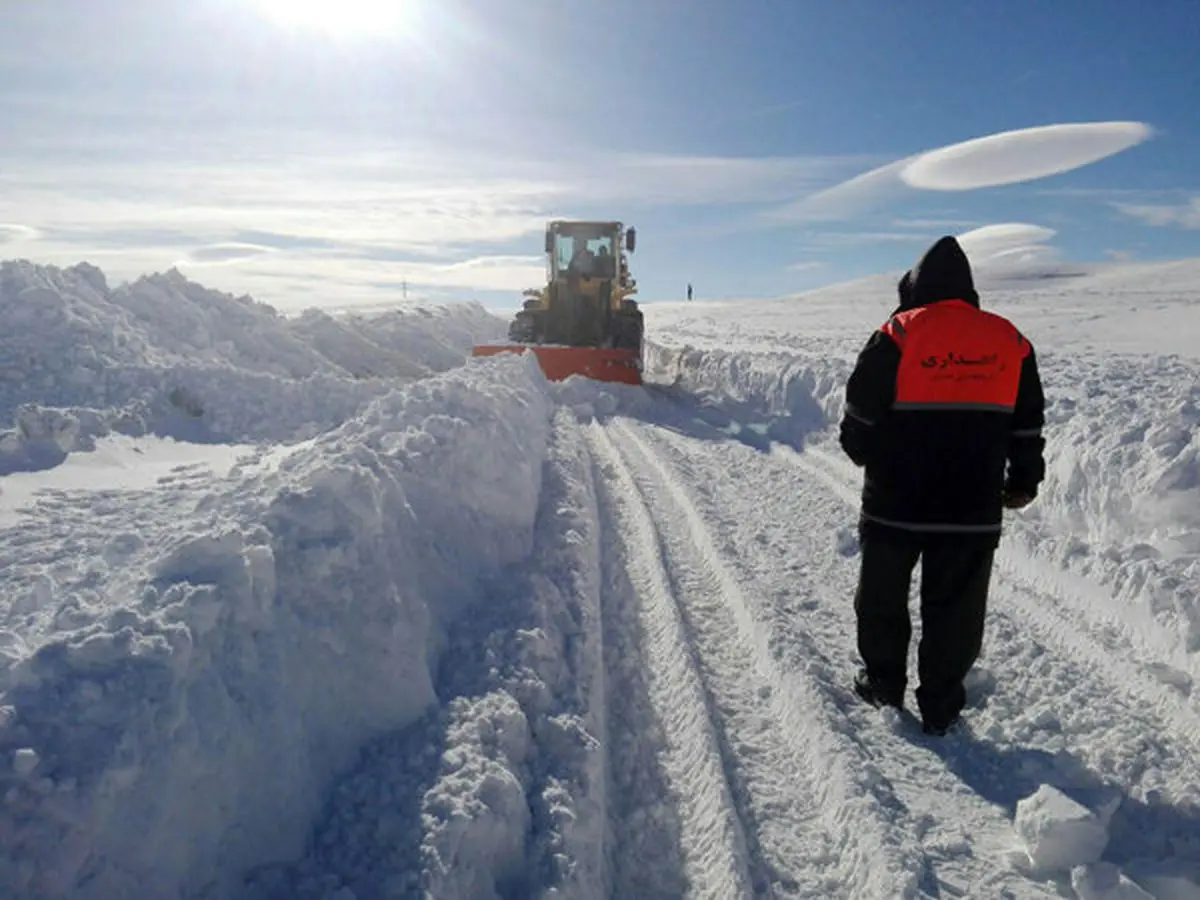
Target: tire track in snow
(1063, 618)
(966, 837)
(712, 839)
(820, 817)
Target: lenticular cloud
(1008, 157)
(1005, 239)
(1023, 155)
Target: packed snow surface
(321, 607)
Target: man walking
(944, 409)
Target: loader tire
(524, 328)
(628, 329)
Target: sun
(343, 17)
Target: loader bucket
(560, 362)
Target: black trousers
(955, 572)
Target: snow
(1058, 832)
(166, 356)
(121, 463)
(319, 607)
(1104, 881)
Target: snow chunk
(478, 808)
(1104, 881)
(1059, 833)
(25, 760)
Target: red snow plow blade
(559, 363)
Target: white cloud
(220, 254)
(1026, 154)
(1008, 245)
(946, 225)
(998, 159)
(850, 198)
(491, 273)
(418, 208)
(15, 234)
(848, 240)
(1182, 215)
(309, 282)
(694, 180)
(809, 266)
(436, 215)
(991, 240)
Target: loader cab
(585, 249)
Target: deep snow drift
(317, 607)
(165, 356)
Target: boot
(875, 692)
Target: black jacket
(940, 468)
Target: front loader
(583, 321)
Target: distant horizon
(328, 153)
(987, 279)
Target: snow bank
(175, 717)
(500, 792)
(785, 395)
(1121, 501)
(205, 365)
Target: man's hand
(1016, 500)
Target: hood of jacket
(943, 273)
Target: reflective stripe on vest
(954, 356)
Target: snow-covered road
(837, 800)
(731, 757)
(458, 632)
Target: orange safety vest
(955, 356)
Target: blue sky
(315, 163)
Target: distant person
(944, 409)
(689, 290)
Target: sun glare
(343, 17)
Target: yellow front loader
(583, 322)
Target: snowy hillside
(318, 607)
